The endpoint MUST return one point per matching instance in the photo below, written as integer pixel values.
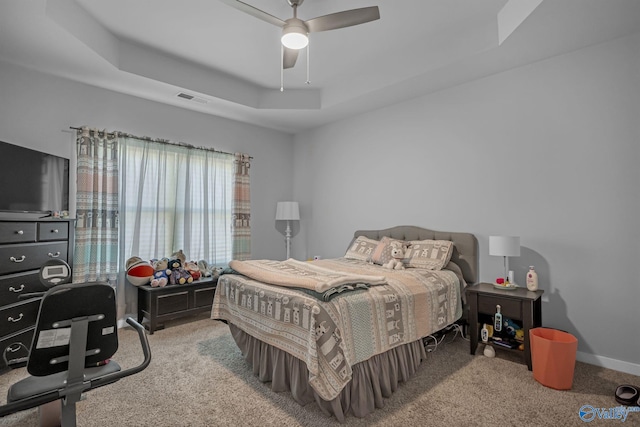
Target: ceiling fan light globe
(294, 34)
(295, 40)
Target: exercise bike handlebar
(146, 350)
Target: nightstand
(518, 304)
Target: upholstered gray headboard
(465, 253)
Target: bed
(345, 332)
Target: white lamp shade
(287, 211)
(504, 245)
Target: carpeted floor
(198, 377)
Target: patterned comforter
(332, 336)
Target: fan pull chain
(308, 81)
(281, 68)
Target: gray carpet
(198, 377)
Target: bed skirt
(372, 380)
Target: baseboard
(609, 363)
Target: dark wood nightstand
(174, 301)
(518, 304)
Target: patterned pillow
(382, 253)
(362, 249)
(429, 254)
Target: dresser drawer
(53, 231)
(29, 256)
(17, 232)
(14, 285)
(509, 307)
(15, 346)
(18, 316)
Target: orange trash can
(553, 357)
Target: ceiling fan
(295, 31)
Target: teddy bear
(161, 273)
(178, 276)
(397, 255)
(179, 254)
(193, 269)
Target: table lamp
(288, 211)
(504, 246)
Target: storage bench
(170, 302)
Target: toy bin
(553, 357)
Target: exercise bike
(75, 336)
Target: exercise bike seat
(76, 335)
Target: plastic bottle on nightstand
(532, 279)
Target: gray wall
(548, 152)
(36, 111)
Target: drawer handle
(13, 350)
(14, 259)
(56, 255)
(12, 289)
(55, 231)
(11, 319)
(19, 232)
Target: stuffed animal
(161, 273)
(139, 272)
(512, 328)
(181, 256)
(193, 269)
(397, 255)
(179, 276)
(205, 270)
(174, 264)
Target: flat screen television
(33, 183)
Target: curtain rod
(163, 141)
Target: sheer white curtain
(173, 197)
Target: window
(174, 197)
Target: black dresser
(24, 247)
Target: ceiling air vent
(191, 98)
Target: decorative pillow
(429, 254)
(362, 248)
(382, 253)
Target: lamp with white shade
(504, 246)
(288, 211)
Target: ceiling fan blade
(290, 58)
(343, 19)
(247, 8)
